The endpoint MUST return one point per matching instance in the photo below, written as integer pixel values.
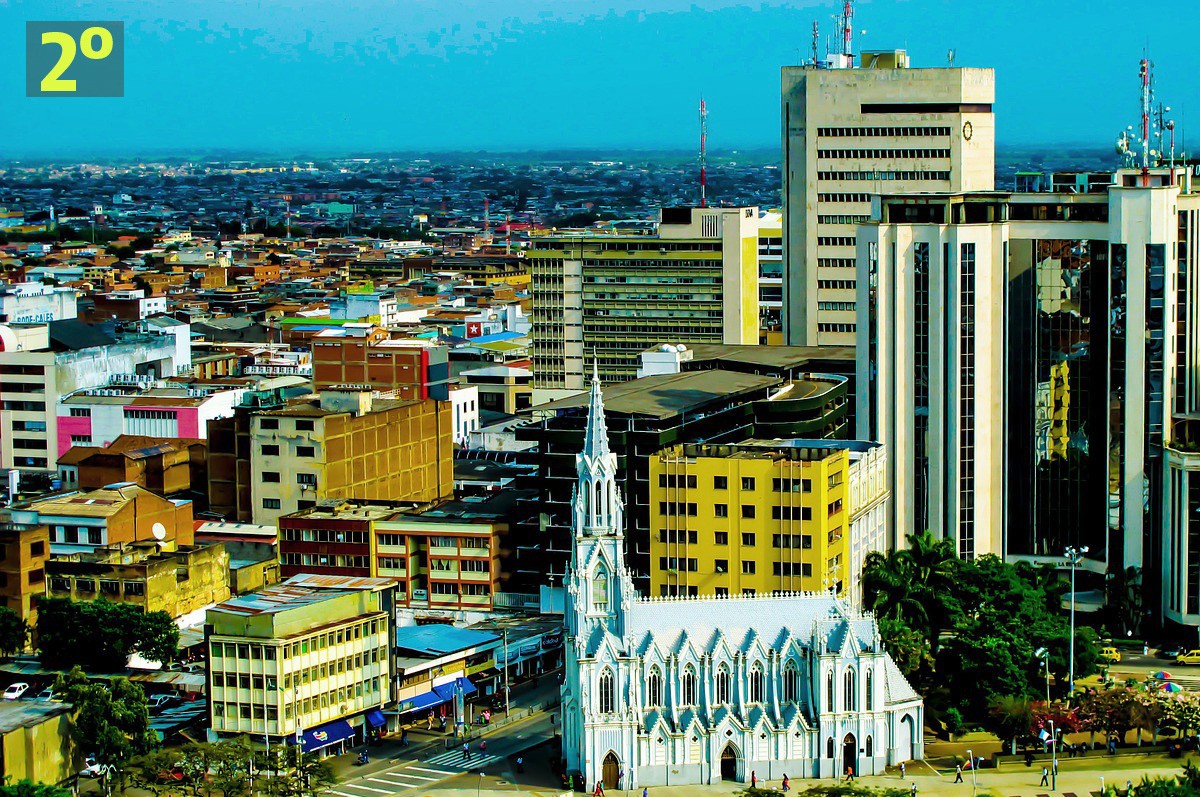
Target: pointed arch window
(791, 682)
(722, 684)
(870, 695)
(869, 749)
(756, 683)
(600, 590)
(829, 748)
(654, 683)
(689, 686)
(829, 694)
(608, 693)
(851, 693)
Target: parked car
(92, 768)
(14, 691)
(1191, 657)
(48, 695)
(1170, 651)
(159, 702)
(1110, 654)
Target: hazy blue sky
(355, 75)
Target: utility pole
(507, 707)
(1074, 555)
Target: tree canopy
(111, 722)
(967, 631)
(101, 635)
(14, 632)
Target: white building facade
(675, 691)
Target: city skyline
(540, 75)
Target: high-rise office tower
(851, 133)
(611, 296)
(1067, 399)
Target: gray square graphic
(74, 59)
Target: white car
(92, 768)
(15, 691)
(158, 702)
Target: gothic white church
(685, 690)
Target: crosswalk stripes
(456, 758)
(415, 775)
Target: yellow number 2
(53, 80)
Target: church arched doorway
(611, 773)
(850, 754)
(730, 765)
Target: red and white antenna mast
(1145, 121)
(703, 154)
(847, 27)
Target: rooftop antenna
(950, 57)
(703, 154)
(1145, 74)
(816, 43)
(847, 28)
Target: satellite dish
(159, 531)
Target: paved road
(400, 773)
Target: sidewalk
(424, 743)
(1074, 778)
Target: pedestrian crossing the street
(416, 775)
(455, 758)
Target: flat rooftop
(780, 356)
(279, 598)
(665, 395)
(439, 640)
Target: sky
(356, 76)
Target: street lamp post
(1074, 555)
(1044, 655)
(974, 781)
(507, 708)
(1053, 757)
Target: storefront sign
(550, 641)
(480, 667)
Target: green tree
(1010, 717)
(907, 647)
(102, 635)
(113, 722)
(14, 632)
(27, 788)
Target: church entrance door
(612, 770)
(850, 754)
(729, 763)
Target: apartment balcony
(393, 572)
(443, 550)
(392, 550)
(482, 577)
(476, 553)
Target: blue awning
(325, 735)
(449, 690)
(376, 718)
(427, 700)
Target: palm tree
(1011, 718)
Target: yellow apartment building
(296, 659)
(753, 518)
(350, 444)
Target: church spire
(595, 439)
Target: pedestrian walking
(787, 784)
(645, 792)
(1045, 777)
(913, 790)
(520, 764)
(620, 777)
(483, 747)
(429, 722)
(849, 773)
(599, 790)
(901, 770)
(958, 778)
(466, 751)
(753, 779)
(404, 738)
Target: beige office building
(611, 296)
(849, 134)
